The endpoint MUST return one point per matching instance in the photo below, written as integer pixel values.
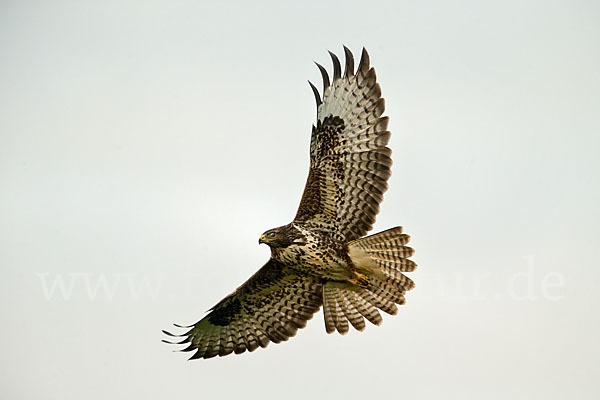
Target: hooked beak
(261, 239)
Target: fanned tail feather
(343, 302)
(385, 252)
(380, 261)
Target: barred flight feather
(351, 313)
(271, 306)
(350, 162)
(366, 309)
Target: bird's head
(279, 237)
(274, 238)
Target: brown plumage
(321, 257)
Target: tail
(379, 261)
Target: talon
(360, 280)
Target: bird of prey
(322, 257)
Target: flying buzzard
(321, 258)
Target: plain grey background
(144, 146)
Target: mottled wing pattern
(349, 160)
(269, 307)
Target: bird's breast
(313, 259)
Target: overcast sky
(144, 146)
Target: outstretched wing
(349, 160)
(269, 307)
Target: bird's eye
(271, 235)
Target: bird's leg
(360, 280)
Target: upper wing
(270, 306)
(349, 160)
